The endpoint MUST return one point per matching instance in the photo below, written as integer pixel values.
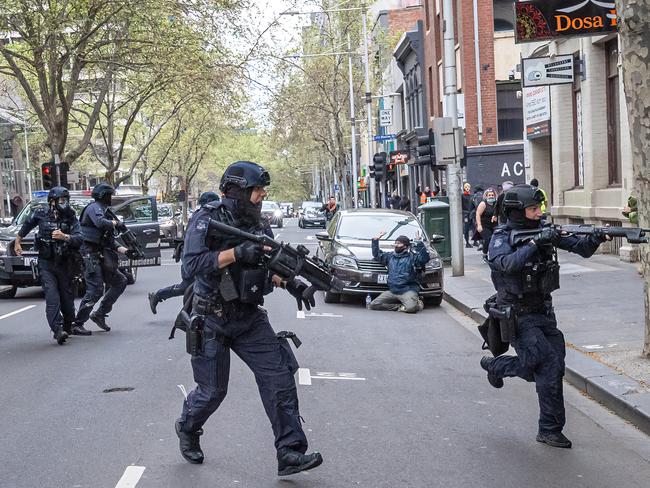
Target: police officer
(100, 255)
(178, 289)
(229, 287)
(58, 241)
(524, 276)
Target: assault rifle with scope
(634, 235)
(285, 260)
(134, 249)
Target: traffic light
(371, 170)
(50, 175)
(426, 150)
(380, 160)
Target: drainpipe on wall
(477, 56)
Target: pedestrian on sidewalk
(403, 265)
(394, 200)
(486, 219)
(525, 272)
(535, 183)
(405, 203)
(466, 199)
(501, 215)
(477, 198)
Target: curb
(623, 395)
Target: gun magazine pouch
(251, 286)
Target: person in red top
(330, 208)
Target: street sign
(537, 112)
(539, 20)
(386, 137)
(450, 141)
(555, 70)
(386, 117)
(73, 176)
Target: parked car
(137, 211)
(311, 215)
(346, 248)
(272, 212)
(169, 222)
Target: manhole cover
(118, 388)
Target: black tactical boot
(153, 302)
(555, 439)
(67, 327)
(100, 320)
(79, 329)
(60, 336)
(292, 462)
(189, 444)
(494, 380)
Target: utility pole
(373, 196)
(353, 129)
(453, 170)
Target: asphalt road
(390, 400)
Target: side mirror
(437, 238)
(323, 236)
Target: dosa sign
(539, 20)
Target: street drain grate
(118, 388)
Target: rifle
(634, 235)
(134, 249)
(285, 260)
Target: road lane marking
(326, 375)
(131, 476)
(324, 314)
(15, 312)
(300, 314)
(304, 376)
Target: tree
(634, 26)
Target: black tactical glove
(303, 293)
(548, 236)
(132, 254)
(178, 251)
(249, 252)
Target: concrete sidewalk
(600, 310)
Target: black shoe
(292, 462)
(67, 328)
(153, 302)
(189, 444)
(494, 380)
(60, 336)
(468, 245)
(80, 330)
(100, 320)
(555, 439)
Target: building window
(504, 15)
(613, 113)
(509, 112)
(578, 152)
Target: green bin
(434, 217)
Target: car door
(140, 215)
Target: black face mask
(399, 250)
(106, 199)
(62, 206)
(244, 210)
(517, 219)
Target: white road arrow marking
(131, 476)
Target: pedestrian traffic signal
(426, 150)
(371, 170)
(51, 177)
(380, 160)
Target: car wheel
(433, 301)
(332, 297)
(10, 293)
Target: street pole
(453, 170)
(27, 166)
(373, 199)
(354, 132)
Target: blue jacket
(402, 267)
(96, 229)
(67, 223)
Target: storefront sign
(537, 112)
(539, 20)
(556, 70)
(398, 157)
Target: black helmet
(244, 174)
(102, 192)
(518, 199)
(208, 196)
(57, 192)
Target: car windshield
(269, 205)
(365, 227)
(311, 205)
(30, 208)
(165, 211)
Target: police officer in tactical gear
(524, 274)
(178, 289)
(100, 255)
(229, 286)
(58, 241)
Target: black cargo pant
(272, 362)
(540, 358)
(56, 280)
(97, 272)
(176, 290)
